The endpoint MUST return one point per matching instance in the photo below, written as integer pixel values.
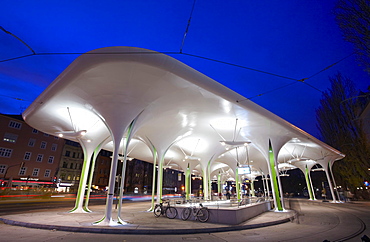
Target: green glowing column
(83, 179)
(95, 156)
(187, 183)
(273, 177)
(252, 188)
(309, 188)
(237, 185)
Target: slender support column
(267, 182)
(280, 186)
(107, 219)
(273, 179)
(122, 186)
(205, 184)
(209, 190)
(92, 168)
(330, 185)
(83, 179)
(209, 197)
(312, 188)
(160, 179)
(237, 185)
(219, 184)
(308, 183)
(264, 185)
(154, 177)
(332, 176)
(252, 188)
(187, 182)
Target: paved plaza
(307, 221)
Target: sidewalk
(139, 221)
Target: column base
(106, 222)
(78, 210)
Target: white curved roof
(171, 102)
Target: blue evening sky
(294, 39)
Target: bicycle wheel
(203, 214)
(171, 212)
(185, 213)
(157, 210)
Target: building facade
(28, 157)
(102, 169)
(70, 167)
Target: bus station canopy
(120, 94)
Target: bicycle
(201, 214)
(168, 211)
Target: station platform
(138, 219)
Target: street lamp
(6, 171)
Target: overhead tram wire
(187, 27)
(301, 80)
(33, 52)
(16, 98)
(181, 53)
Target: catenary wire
(173, 53)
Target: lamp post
(6, 171)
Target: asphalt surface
(310, 221)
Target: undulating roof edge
(162, 61)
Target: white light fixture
(318, 169)
(187, 157)
(72, 134)
(121, 158)
(235, 143)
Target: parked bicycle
(201, 214)
(168, 211)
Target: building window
(35, 131)
(68, 153)
(71, 166)
(22, 171)
(74, 155)
(46, 135)
(2, 169)
(35, 171)
(4, 152)
(43, 145)
(47, 173)
(56, 137)
(54, 147)
(12, 138)
(51, 159)
(39, 157)
(27, 156)
(15, 125)
(65, 164)
(31, 142)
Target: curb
(143, 231)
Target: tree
(353, 18)
(338, 123)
